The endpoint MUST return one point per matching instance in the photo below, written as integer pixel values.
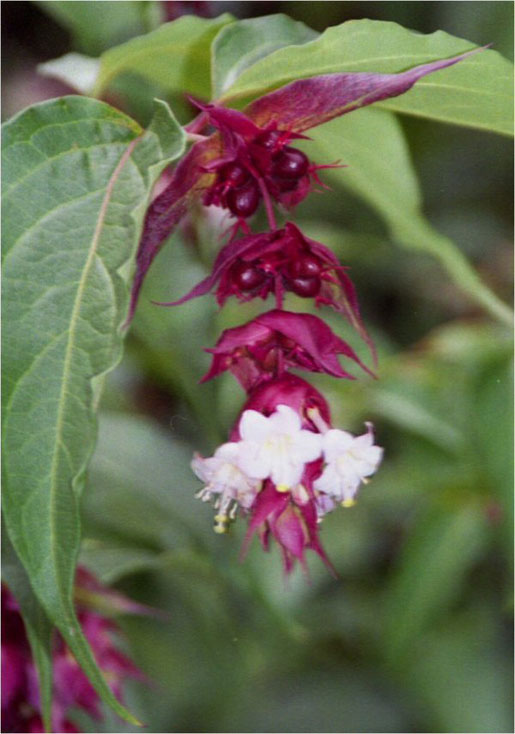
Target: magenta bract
(272, 262)
(275, 341)
(288, 390)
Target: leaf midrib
(68, 356)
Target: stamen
(317, 420)
(221, 524)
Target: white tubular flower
(224, 478)
(350, 459)
(276, 447)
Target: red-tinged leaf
(309, 102)
(169, 207)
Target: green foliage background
(414, 636)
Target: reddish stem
(268, 205)
(278, 292)
(196, 125)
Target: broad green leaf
(87, 171)
(241, 44)
(37, 624)
(477, 92)
(176, 56)
(372, 145)
(438, 553)
(95, 26)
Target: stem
(195, 138)
(268, 205)
(197, 124)
(278, 292)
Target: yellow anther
(282, 488)
(348, 503)
(221, 523)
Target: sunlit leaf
(240, 45)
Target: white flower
(224, 478)
(350, 459)
(276, 447)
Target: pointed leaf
(76, 70)
(176, 56)
(37, 625)
(379, 169)
(240, 45)
(87, 171)
(476, 93)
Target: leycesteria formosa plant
(285, 466)
(89, 199)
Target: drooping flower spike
(280, 116)
(276, 341)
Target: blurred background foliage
(415, 635)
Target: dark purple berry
(244, 201)
(305, 287)
(286, 184)
(291, 163)
(236, 174)
(305, 266)
(246, 277)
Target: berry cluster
(268, 159)
(256, 164)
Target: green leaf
(97, 26)
(176, 56)
(477, 92)
(111, 562)
(141, 487)
(76, 70)
(439, 552)
(37, 624)
(87, 171)
(241, 44)
(372, 145)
